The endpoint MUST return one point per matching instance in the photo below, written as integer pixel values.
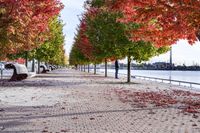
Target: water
(188, 76)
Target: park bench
(20, 72)
(44, 69)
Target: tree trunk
(106, 68)
(95, 68)
(38, 66)
(84, 68)
(88, 68)
(26, 62)
(129, 69)
(33, 65)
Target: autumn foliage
(162, 22)
(101, 36)
(137, 29)
(185, 100)
(83, 42)
(24, 23)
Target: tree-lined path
(66, 100)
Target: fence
(183, 83)
(170, 81)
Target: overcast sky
(182, 51)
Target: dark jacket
(116, 64)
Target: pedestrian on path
(116, 68)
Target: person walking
(116, 68)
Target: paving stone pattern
(86, 104)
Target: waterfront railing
(180, 83)
(163, 80)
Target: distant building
(162, 66)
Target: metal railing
(169, 80)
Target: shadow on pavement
(26, 115)
(39, 83)
(115, 83)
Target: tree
(111, 37)
(24, 23)
(106, 36)
(162, 22)
(76, 57)
(142, 51)
(83, 43)
(52, 51)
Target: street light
(171, 58)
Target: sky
(183, 53)
(70, 16)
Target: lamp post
(171, 67)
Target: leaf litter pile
(185, 100)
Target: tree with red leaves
(110, 37)
(104, 38)
(83, 42)
(24, 24)
(162, 22)
(82, 52)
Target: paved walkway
(72, 101)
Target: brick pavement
(72, 101)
